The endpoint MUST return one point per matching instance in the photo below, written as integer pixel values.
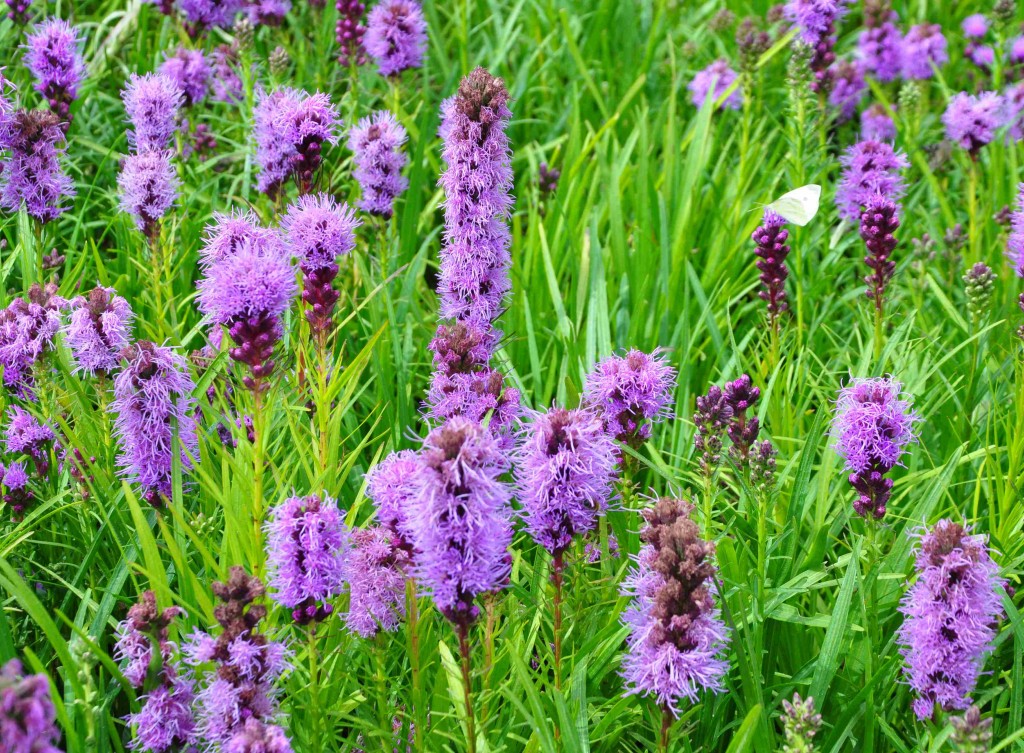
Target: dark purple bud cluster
(878, 223)
(349, 32)
(742, 395)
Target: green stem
(972, 208)
(557, 569)
(314, 689)
(666, 729)
(464, 651)
(412, 624)
(258, 422)
(879, 331)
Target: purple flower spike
(153, 403)
(377, 141)
(18, 497)
(460, 518)
(189, 70)
(771, 253)
(676, 635)
(714, 80)
(880, 45)
(388, 485)
(878, 223)
(742, 395)
(28, 720)
(477, 182)
(876, 124)
(268, 12)
(290, 130)
(19, 11)
(1015, 241)
(870, 168)
(872, 426)
(152, 103)
(148, 185)
(349, 32)
(631, 392)
(975, 26)
(951, 617)
(565, 471)
(712, 419)
(376, 572)
(257, 737)
(165, 722)
(396, 36)
(816, 20)
(923, 46)
(32, 174)
(206, 14)
(97, 330)
(307, 542)
(27, 330)
(971, 121)
(848, 89)
(241, 689)
(25, 435)
(53, 56)
(230, 233)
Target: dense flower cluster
(377, 141)
(97, 329)
(816, 21)
(711, 421)
(876, 124)
(33, 175)
(714, 81)
(771, 252)
(388, 485)
(924, 46)
(971, 121)
(152, 103)
(880, 45)
(376, 571)
(205, 14)
(190, 72)
(870, 168)
(951, 616)
(877, 225)
(848, 88)
(53, 56)
(676, 636)
(631, 392)
(349, 32)
(396, 36)
(800, 723)
(27, 330)
(26, 435)
(148, 186)
(28, 720)
(291, 129)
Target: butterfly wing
(799, 205)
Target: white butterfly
(799, 205)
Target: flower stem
(314, 689)
(412, 622)
(557, 568)
(666, 728)
(464, 651)
(257, 478)
(972, 206)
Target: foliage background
(645, 243)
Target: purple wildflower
(98, 328)
(377, 141)
(230, 233)
(152, 103)
(307, 541)
(189, 70)
(28, 720)
(711, 420)
(396, 36)
(153, 402)
(291, 127)
(872, 425)
(800, 723)
(225, 82)
(205, 14)
(923, 46)
(18, 496)
(714, 80)
(632, 392)
(547, 178)
(55, 60)
(771, 252)
(247, 663)
(982, 55)
(1014, 100)
(816, 20)
(1016, 54)
(27, 330)
(870, 168)
(19, 11)
(460, 518)
(880, 45)
(971, 121)
(25, 435)
(951, 612)
(876, 124)
(676, 635)
(248, 292)
(565, 471)
(1015, 241)
(878, 223)
(376, 572)
(268, 12)
(349, 32)
(319, 231)
(165, 722)
(32, 173)
(148, 185)
(388, 485)
(256, 737)
(975, 26)
(848, 89)
(742, 395)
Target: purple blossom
(742, 395)
(1015, 241)
(148, 186)
(771, 251)
(714, 80)
(971, 121)
(32, 174)
(711, 420)
(247, 662)
(388, 485)
(7, 120)
(152, 103)
(975, 26)
(631, 392)
(877, 225)
(204, 14)
(376, 572)
(376, 142)
(848, 89)
(28, 720)
(26, 435)
(165, 722)
(307, 542)
(565, 471)
(676, 636)
(257, 737)
(870, 168)
(291, 127)
(816, 19)
(27, 330)
(982, 55)
(268, 12)
(1013, 98)
(319, 230)
(153, 402)
(189, 70)
(349, 32)
(876, 124)
(396, 36)
(19, 11)
(144, 627)
(460, 518)
(229, 233)
(923, 46)
(225, 82)
(53, 56)
(880, 49)
(871, 428)
(97, 329)
(951, 616)
(477, 184)
(18, 497)
(1016, 54)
